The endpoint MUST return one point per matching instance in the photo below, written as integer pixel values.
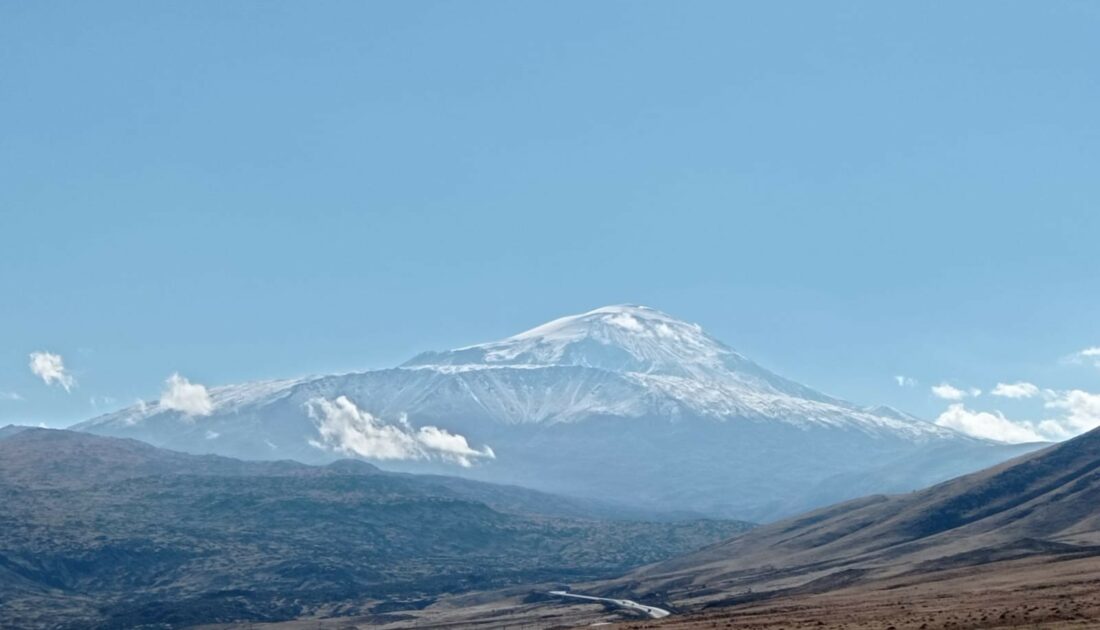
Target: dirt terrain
(1038, 592)
(1032, 593)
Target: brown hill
(1043, 504)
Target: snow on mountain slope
(625, 361)
(619, 338)
(625, 338)
(225, 399)
(624, 400)
(671, 362)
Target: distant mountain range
(622, 402)
(100, 532)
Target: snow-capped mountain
(621, 401)
(663, 364)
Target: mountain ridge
(617, 388)
(114, 533)
(656, 353)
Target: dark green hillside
(115, 533)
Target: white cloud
(1088, 354)
(983, 424)
(182, 395)
(948, 392)
(1015, 390)
(451, 445)
(344, 428)
(1082, 412)
(51, 369)
(905, 381)
(10, 396)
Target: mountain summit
(667, 364)
(625, 339)
(624, 401)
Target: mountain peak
(621, 338)
(626, 318)
(665, 356)
(613, 323)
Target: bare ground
(1033, 593)
(1040, 592)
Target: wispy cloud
(97, 401)
(182, 395)
(1091, 355)
(1015, 390)
(947, 391)
(344, 428)
(905, 381)
(50, 368)
(10, 396)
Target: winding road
(652, 611)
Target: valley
(628, 439)
(109, 533)
(1013, 546)
(549, 315)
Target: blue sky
(846, 192)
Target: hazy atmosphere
(768, 257)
